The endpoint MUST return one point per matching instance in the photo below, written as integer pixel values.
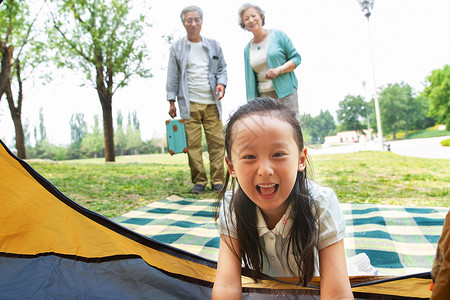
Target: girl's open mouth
(266, 190)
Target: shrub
(445, 143)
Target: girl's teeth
(267, 189)
(266, 186)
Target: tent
(53, 248)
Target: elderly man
(196, 78)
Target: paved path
(424, 148)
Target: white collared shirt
(331, 230)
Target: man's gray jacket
(177, 84)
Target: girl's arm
(228, 284)
(334, 282)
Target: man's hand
(220, 90)
(172, 109)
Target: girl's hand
(334, 282)
(228, 284)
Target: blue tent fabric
(66, 278)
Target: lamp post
(367, 7)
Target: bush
(445, 143)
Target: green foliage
(95, 36)
(42, 129)
(14, 21)
(155, 145)
(128, 141)
(61, 153)
(134, 140)
(420, 134)
(19, 42)
(134, 181)
(437, 90)
(318, 127)
(418, 114)
(44, 150)
(120, 138)
(352, 110)
(399, 110)
(92, 142)
(445, 143)
(78, 129)
(19, 29)
(106, 44)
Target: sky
(408, 38)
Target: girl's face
(252, 20)
(265, 160)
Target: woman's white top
(258, 61)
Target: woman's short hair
(246, 6)
(189, 9)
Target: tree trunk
(108, 130)
(6, 63)
(105, 95)
(16, 113)
(393, 135)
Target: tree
(92, 141)
(99, 38)
(78, 130)
(42, 129)
(371, 118)
(42, 147)
(437, 90)
(119, 136)
(320, 126)
(396, 107)
(352, 110)
(20, 53)
(134, 140)
(420, 113)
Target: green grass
(427, 133)
(113, 189)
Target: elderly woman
(270, 59)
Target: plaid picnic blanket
(398, 240)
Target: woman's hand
(287, 67)
(272, 73)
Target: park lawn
(113, 189)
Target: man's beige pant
(208, 116)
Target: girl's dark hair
(303, 236)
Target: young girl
(276, 221)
